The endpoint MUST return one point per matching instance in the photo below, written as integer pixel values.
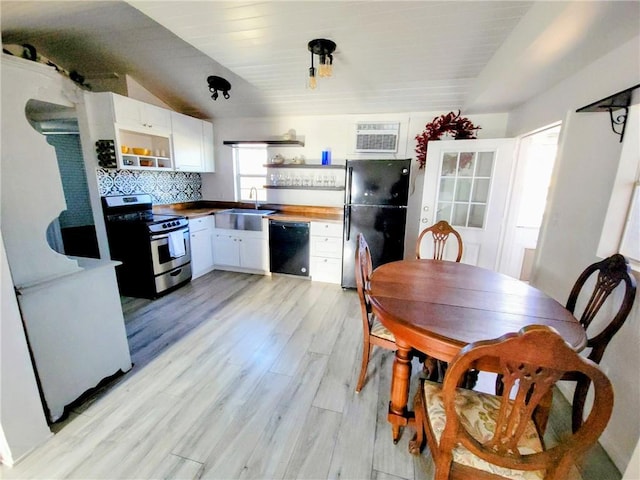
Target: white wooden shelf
(144, 162)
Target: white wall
(319, 133)
(582, 184)
(628, 174)
(137, 91)
(32, 194)
(633, 470)
(612, 73)
(336, 132)
(31, 197)
(22, 421)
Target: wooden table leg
(398, 415)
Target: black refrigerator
(376, 197)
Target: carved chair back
(609, 274)
(531, 362)
(440, 232)
(364, 267)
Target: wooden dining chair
(474, 435)
(434, 369)
(608, 274)
(374, 333)
(440, 232)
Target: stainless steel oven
(141, 240)
(163, 261)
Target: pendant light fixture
(324, 49)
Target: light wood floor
(244, 376)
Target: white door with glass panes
(466, 183)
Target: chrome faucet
(254, 189)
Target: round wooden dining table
(437, 307)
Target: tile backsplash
(164, 187)
(74, 181)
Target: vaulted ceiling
(391, 56)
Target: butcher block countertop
(285, 213)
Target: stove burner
(137, 209)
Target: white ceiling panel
(391, 56)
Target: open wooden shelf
(304, 165)
(271, 143)
(302, 187)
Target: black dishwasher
(289, 247)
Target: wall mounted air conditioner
(380, 137)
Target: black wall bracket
(611, 104)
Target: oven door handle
(166, 235)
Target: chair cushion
(478, 413)
(379, 330)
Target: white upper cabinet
(134, 113)
(192, 143)
(207, 147)
(187, 142)
(111, 118)
(162, 139)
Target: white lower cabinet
(254, 252)
(201, 231)
(241, 250)
(248, 251)
(326, 252)
(226, 249)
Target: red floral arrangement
(461, 127)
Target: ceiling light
(312, 76)
(324, 49)
(218, 83)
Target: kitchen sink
(241, 218)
